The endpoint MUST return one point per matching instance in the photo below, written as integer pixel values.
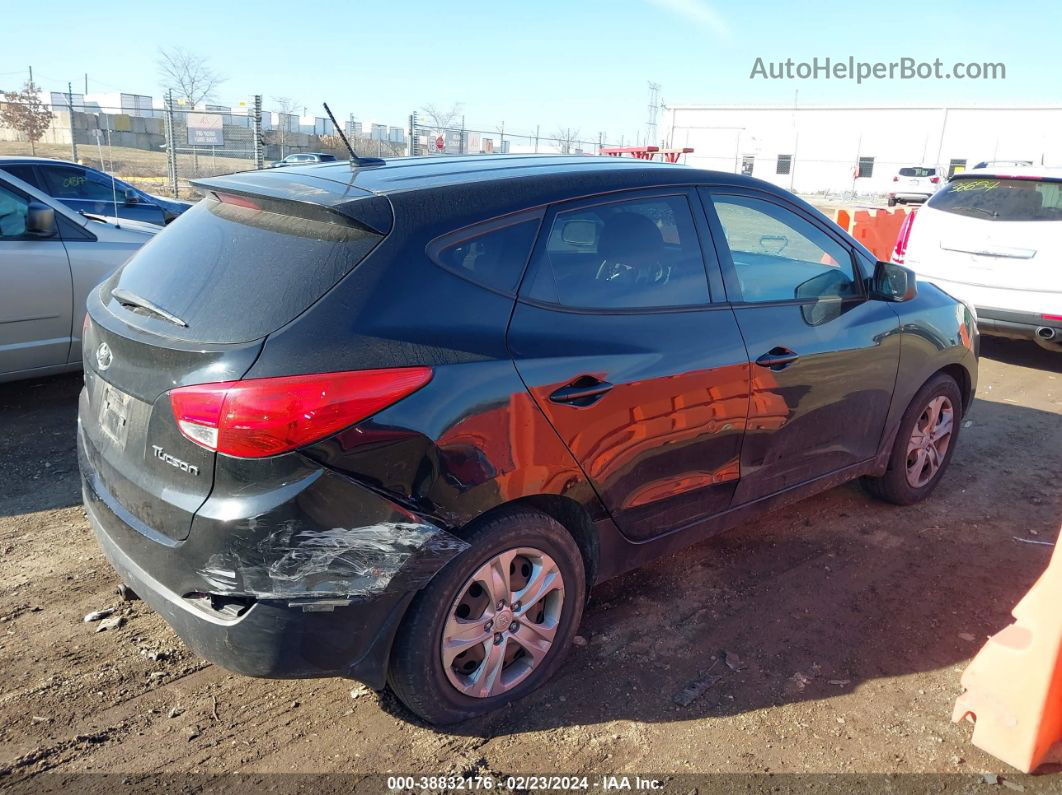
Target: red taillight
(895, 179)
(900, 250)
(268, 416)
(934, 180)
(1052, 318)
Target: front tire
(924, 444)
(495, 623)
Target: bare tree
(188, 75)
(25, 112)
(440, 118)
(566, 138)
(286, 108)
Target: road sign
(205, 129)
(440, 143)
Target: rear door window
(234, 272)
(68, 182)
(639, 253)
(1001, 199)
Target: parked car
(50, 258)
(84, 189)
(303, 159)
(914, 184)
(392, 423)
(993, 238)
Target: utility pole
(259, 160)
(536, 139)
(654, 106)
(600, 140)
(70, 104)
(86, 82)
(31, 74)
(171, 144)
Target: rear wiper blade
(126, 298)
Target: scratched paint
(293, 561)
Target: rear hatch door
(991, 232)
(195, 306)
(916, 179)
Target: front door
(643, 376)
(35, 302)
(824, 355)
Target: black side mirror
(40, 220)
(131, 197)
(893, 283)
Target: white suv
(914, 184)
(992, 237)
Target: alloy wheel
(930, 438)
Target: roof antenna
(355, 161)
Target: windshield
(1001, 198)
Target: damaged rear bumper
(277, 583)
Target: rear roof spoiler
(306, 197)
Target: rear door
(642, 374)
(36, 301)
(824, 356)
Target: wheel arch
(572, 516)
(961, 376)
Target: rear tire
(458, 610)
(924, 444)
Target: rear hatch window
(235, 269)
(1001, 198)
(917, 172)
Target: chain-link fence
(431, 136)
(162, 147)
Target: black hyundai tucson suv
(393, 422)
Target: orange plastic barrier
(875, 229)
(1014, 684)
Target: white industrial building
(815, 149)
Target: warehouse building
(834, 149)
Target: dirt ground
(847, 621)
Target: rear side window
(234, 272)
(632, 254)
(917, 172)
(1001, 199)
(493, 254)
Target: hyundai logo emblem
(104, 357)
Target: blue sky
(582, 64)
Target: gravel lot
(847, 624)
